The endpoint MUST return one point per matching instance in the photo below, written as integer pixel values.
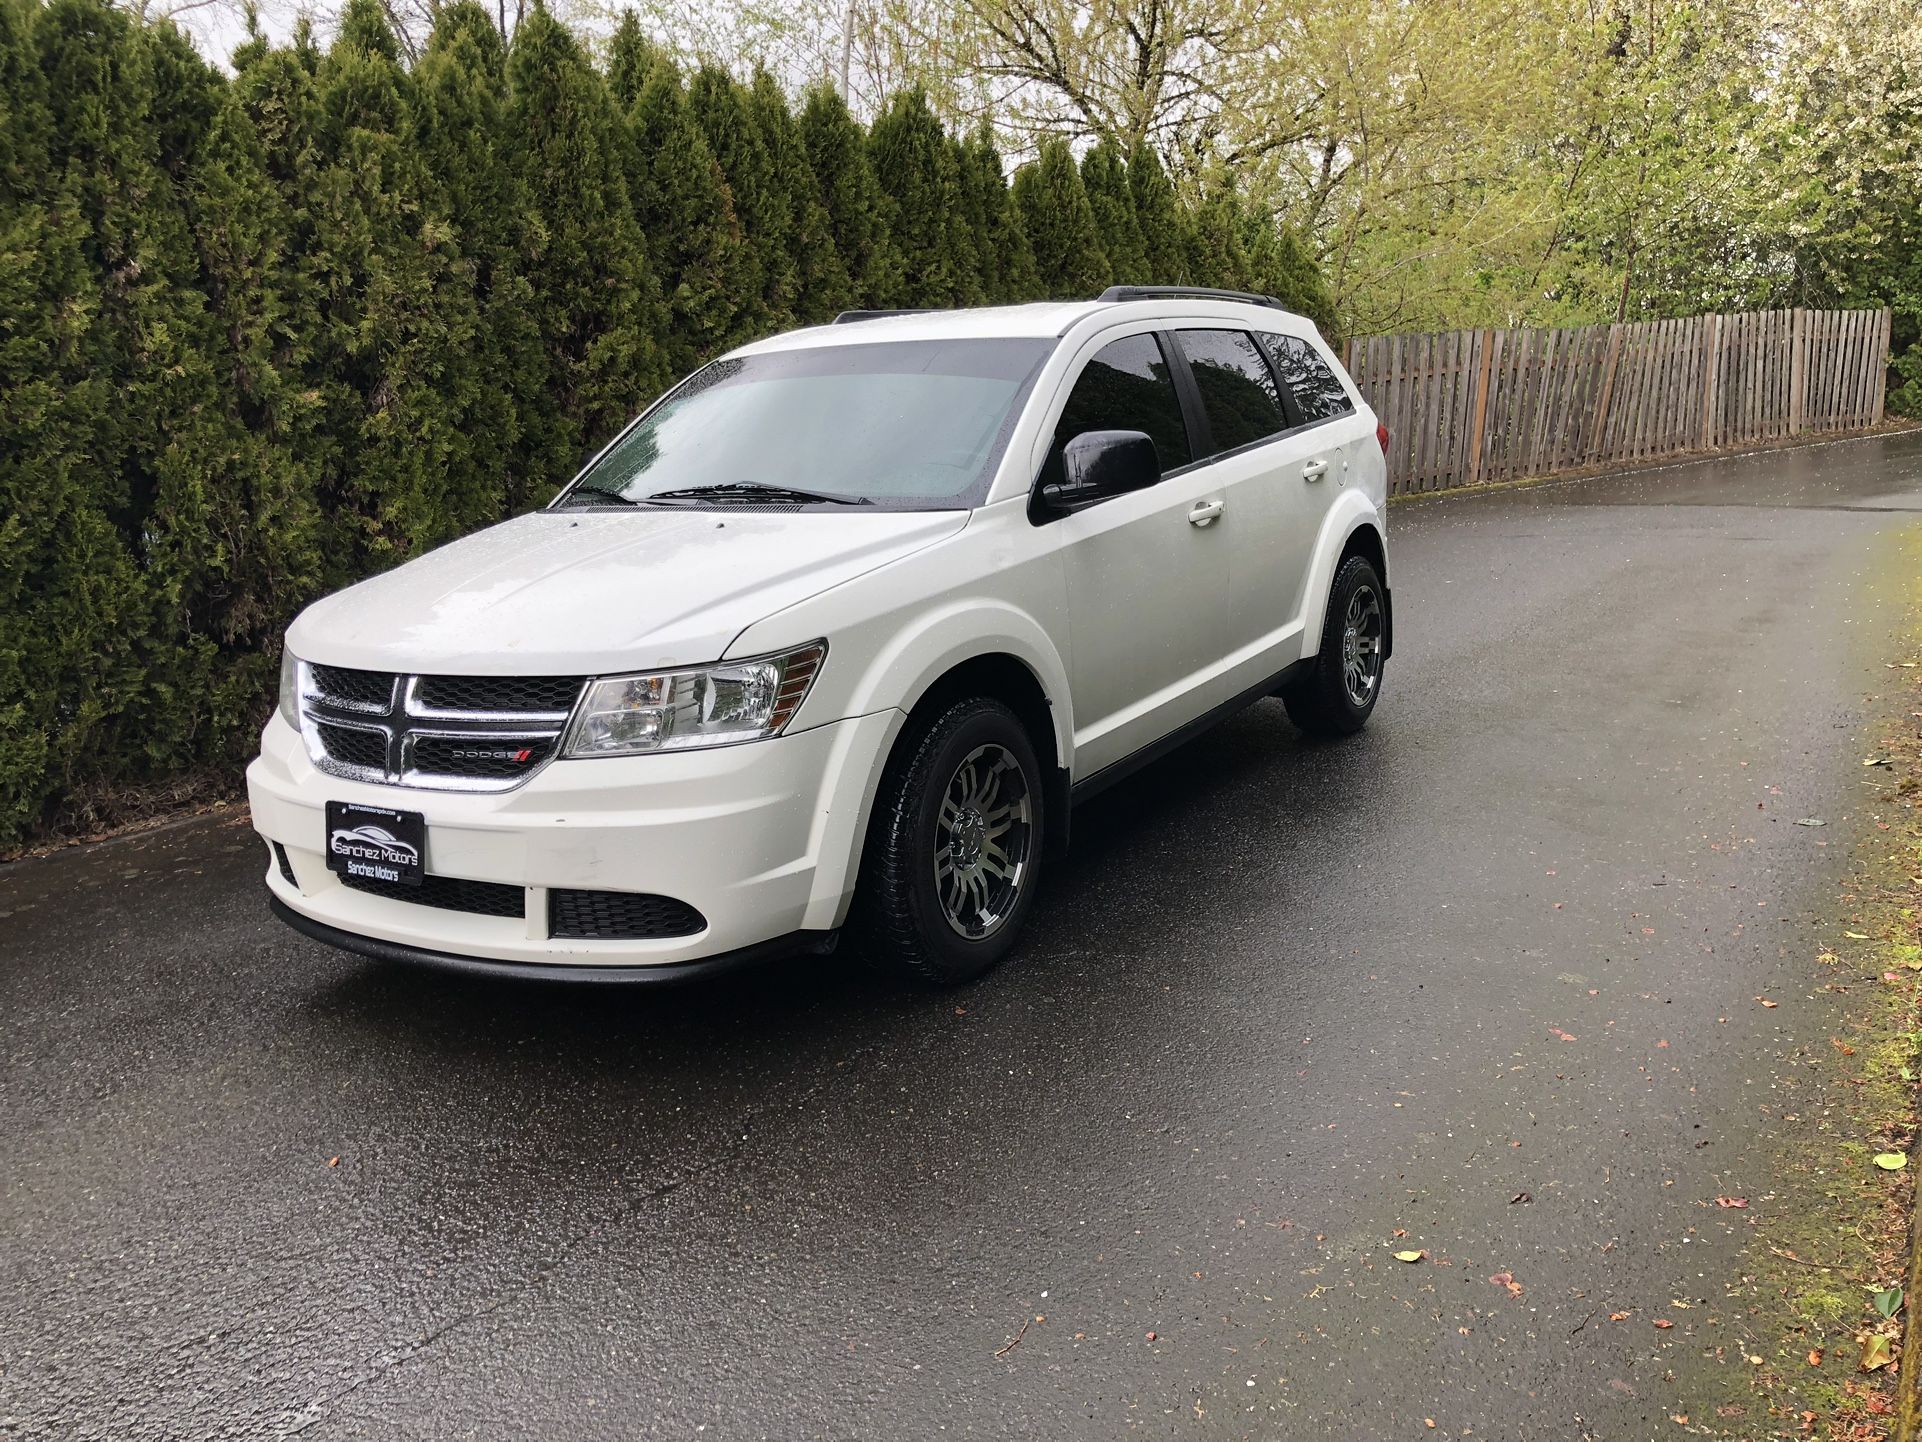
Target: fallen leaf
(1618, 1316)
(1876, 1352)
(1428, 1422)
(1771, 1005)
(1811, 821)
(1507, 1279)
(1410, 1256)
(1556, 1031)
(1888, 1301)
(1680, 1418)
(1151, 1336)
(1731, 1201)
(333, 1161)
(1815, 1357)
(1663, 1323)
(1891, 1161)
(1520, 1197)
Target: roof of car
(1040, 320)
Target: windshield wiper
(755, 493)
(600, 496)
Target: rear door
(1146, 572)
(1271, 474)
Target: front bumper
(763, 839)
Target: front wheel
(949, 875)
(1343, 680)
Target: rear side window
(1318, 394)
(1238, 390)
(1127, 387)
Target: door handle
(1314, 470)
(1204, 513)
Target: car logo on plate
(373, 843)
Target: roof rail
(850, 317)
(1186, 292)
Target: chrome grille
(499, 693)
(361, 746)
(359, 690)
(449, 733)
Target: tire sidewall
(953, 957)
(1356, 572)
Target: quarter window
(1127, 387)
(1238, 391)
(1318, 394)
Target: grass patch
(1841, 1238)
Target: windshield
(901, 425)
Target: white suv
(834, 635)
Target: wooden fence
(1473, 406)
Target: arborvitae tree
(1215, 256)
(821, 280)
(595, 303)
(708, 274)
(916, 176)
(1105, 175)
(1007, 260)
(399, 324)
(1060, 225)
(154, 456)
(1280, 265)
(722, 108)
(837, 153)
(631, 58)
(460, 132)
(69, 594)
(1159, 219)
(967, 226)
(266, 520)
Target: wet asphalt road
(1283, 1001)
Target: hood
(595, 592)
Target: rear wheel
(1343, 680)
(948, 877)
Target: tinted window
(899, 424)
(1237, 389)
(1126, 387)
(1318, 395)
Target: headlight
(715, 705)
(289, 688)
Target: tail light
(1381, 435)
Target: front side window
(1318, 394)
(900, 425)
(1127, 387)
(1238, 391)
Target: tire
(1343, 681)
(917, 914)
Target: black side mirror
(1097, 465)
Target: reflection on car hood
(587, 593)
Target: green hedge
(262, 335)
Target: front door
(1147, 572)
